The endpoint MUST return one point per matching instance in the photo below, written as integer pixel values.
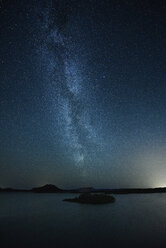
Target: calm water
(44, 220)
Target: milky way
(66, 87)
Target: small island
(89, 198)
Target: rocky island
(89, 198)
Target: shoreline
(49, 188)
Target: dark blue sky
(83, 93)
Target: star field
(82, 91)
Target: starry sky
(83, 93)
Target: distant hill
(48, 188)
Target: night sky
(83, 93)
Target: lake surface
(44, 220)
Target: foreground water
(44, 220)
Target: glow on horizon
(159, 183)
(152, 160)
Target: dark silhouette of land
(90, 198)
(50, 188)
(13, 190)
